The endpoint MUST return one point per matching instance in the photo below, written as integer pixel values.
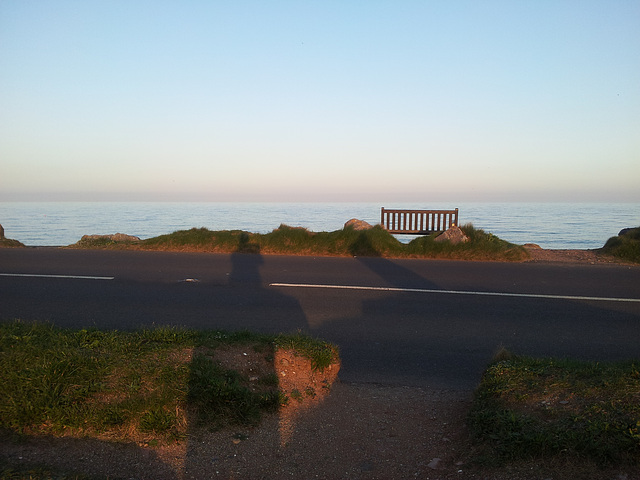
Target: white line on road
(40, 275)
(457, 292)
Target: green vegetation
(626, 246)
(481, 246)
(146, 386)
(528, 408)
(375, 242)
(321, 354)
(221, 395)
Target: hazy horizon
(377, 101)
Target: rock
(625, 231)
(117, 237)
(454, 236)
(357, 224)
(121, 237)
(433, 464)
(1, 232)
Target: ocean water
(550, 225)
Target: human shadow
(246, 262)
(265, 310)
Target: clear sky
(310, 100)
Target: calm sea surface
(550, 225)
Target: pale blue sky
(387, 101)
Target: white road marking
(40, 275)
(458, 292)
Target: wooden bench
(418, 222)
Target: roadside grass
(626, 247)
(544, 409)
(321, 354)
(481, 246)
(199, 239)
(145, 386)
(286, 240)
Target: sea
(549, 225)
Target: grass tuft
(626, 246)
(320, 353)
(481, 246)
(528, 408)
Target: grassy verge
(375, 242)
(540, 409)
(146, 386)
(626, 246)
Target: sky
(320, 101)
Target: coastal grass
(481, 246)
(146, 385)
(286, 240)
(543, 409)
(625, 247)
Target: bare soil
(358, 431)
(540, 255)
(332, 430)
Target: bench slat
(418, 222)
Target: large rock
(116, 237)
(1, 232)
(454, 236)
(357, 224)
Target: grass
(481, 246)
(321, 354)
(626, 247)
(537, 409)
(143, 386)
(375, 242)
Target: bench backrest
(418, 222)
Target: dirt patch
(541, 255)
(304, 388)
(356, 431)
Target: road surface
(427, 323)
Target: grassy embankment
(626, 246)
(346, 242)
(584, 413)
(147, 386)
(287, 240)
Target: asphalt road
(433, 324)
